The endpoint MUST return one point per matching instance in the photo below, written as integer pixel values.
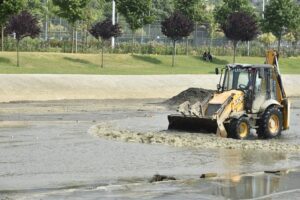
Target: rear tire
(270, 124)
(239, 128)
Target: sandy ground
(144, 131)
(59, 87)
(47, 152)
(85, 146)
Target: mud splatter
(190, 140)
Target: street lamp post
(46, 21)
(263, 9)
(113, 21)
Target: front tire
(239, 128)
(270, 124)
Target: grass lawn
(123, 64)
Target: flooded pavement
(46, 152)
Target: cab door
(261, 92)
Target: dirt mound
(192, 94)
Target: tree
(211, 25)
(176, 27)
(7, 9)
(94, 11)
(223, 11)
(295, 29)
(162, 8)
(105, 30)
(137, 14)
(43, 10)
(267, 39)
(279, 18)
(240, 26)
(72, 11)
(21, 26)
(193, 9)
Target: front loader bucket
(192, 124)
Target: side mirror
(217, 71)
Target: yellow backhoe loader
(248, 97)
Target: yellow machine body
(235, 100)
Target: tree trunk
(76, 41)
(187, 46)
(279, 44)
(210, 44)
(234, 50)
(174, 53)
(72, 46)
(86, 37)
(132, 45)
(102, 64)
(2, 38)
(18, 57)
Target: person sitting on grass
(209, 57)
(204, 56)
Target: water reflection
(237, 162)
(247, 186)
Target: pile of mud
(190, 140)
(192, 95)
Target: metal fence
(57, 37)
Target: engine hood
(220, 98)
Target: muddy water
(46, 152)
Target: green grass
(123, 64)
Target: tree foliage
(267, 39)
(21, 26)
(210, 24)
(105, 30)
(223, 11)
(240, 26)
(194, 9)
(279, 18)
(176, 27)
(94, 10)
(162, 8)
(35, 7)
(9, 8)
(294, 31)
(136, 12)
(71, 10)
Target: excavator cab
(255, 81)
(248, 96)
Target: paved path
(57, 87)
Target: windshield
(237, 79)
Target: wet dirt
(49, 151)
(192, 95)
